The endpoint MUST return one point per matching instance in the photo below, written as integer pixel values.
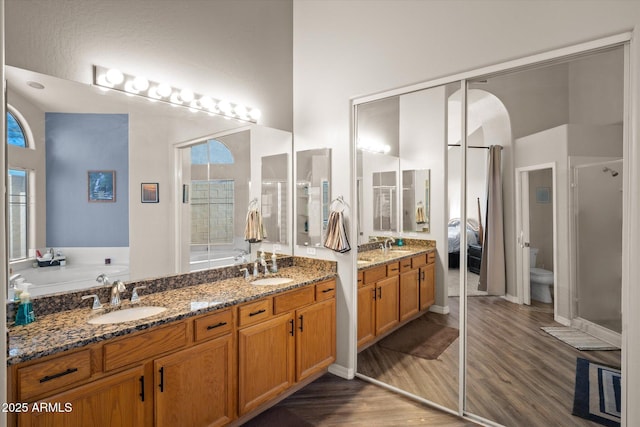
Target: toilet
(541, 280)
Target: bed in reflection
(453, 232)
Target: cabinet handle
(161, 385)
(292, 331)
(301, 320)
(327, 290)
(142, 388)
(394, 269)
(58, 375)
(255, 313)
(216, 326)
(374, 294)
(422, 276)
(380, 292)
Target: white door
(522, 227)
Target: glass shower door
(598, 214)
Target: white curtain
(492, 267)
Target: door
(535, 222)
(266, 363)
(366, 314)
(387, 304)
(315, 338)
(198, 381)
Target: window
(15, 133)
(17, 185)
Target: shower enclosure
(597, 209)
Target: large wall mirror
(401, 179)
(73, 132)
(313, 195)
(516, 206)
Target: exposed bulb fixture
(373, 146)
(114, 79)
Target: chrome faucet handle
(134, 294)
(96, 301)
(102, 278)
(246, 273)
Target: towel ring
(338, 204)
(253, 204)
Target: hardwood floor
(333, 401)
(516, 373)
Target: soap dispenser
(274, 266)
(25, 314)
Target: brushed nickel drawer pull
(58, 375)
(327, 290)
(216, 326)
(255, 313)
(142, 388)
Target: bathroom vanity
(394, 287)
(220, 353)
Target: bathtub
(71, 277)
(199, 258)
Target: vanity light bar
(114, 79)
(373, 146)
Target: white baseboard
(562, 320)
(512, 299)
(342, 372)
(604, 334)
(440, 309)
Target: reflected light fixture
(372, 146)
(114, 79)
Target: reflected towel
(254, 229)
(336, 235)
(421, 218)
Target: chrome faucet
(388, 242)
(265, 265)
(117, 287)
(246, 273)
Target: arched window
(15, 133)
(212, 152)
(17, 187)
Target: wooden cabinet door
(409, 298)
(387, 304)
(427, 286)
(266, 361)
(315, 338)
(366, 314)
(112, 401)
(193, 387)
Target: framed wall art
(150, 192)
(101, 186)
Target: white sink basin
(271, 281)
(363, 261)
(400, 251)
(126, 315)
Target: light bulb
(163, 90)
(186, 95)
(206, 102)
(240, 110)
(255, 114)
(140, 84)
(175, 98)
(115, 76)
(224, 106)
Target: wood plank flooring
(333, 401)
(516, 373)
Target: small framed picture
(101, 186)
(149, 192)
(543, 194)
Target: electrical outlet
(311, 251)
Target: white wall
(376, 46)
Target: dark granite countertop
(375, 257)
(56, 332)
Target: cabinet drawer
(405, 265)
(374, 274)
(325, 290)
(213, 325)
(294, 299)
(254, 312)
(134, 349)
(393, 268)
(52, 374)
(419, 260)
(431, 257)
